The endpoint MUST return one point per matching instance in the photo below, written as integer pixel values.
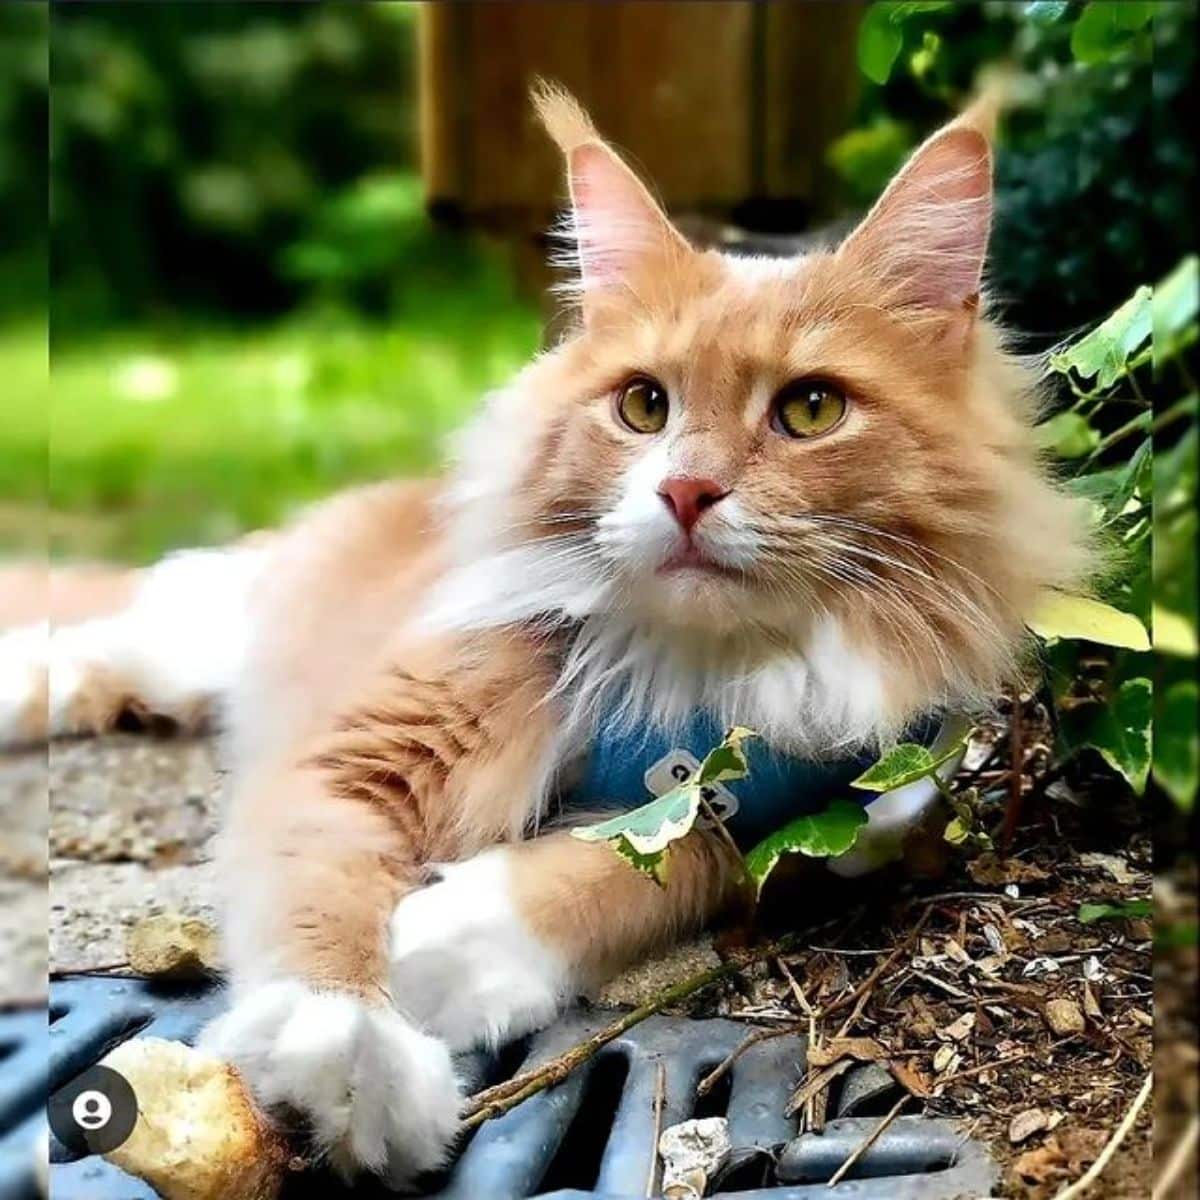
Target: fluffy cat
(800, 494)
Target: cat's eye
(808, 407)
(643, 405)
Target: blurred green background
(250, 307)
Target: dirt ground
(980, 992)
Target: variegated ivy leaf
(902, 764)
(1060, 615)
(825, 834)
(643, 835)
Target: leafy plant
(643, 835)
(827, 834)
(1101, 104)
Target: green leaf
(1174, 633)
(826, 834)
(1068, 435)
(1060, 615)
(879, 44)
(726, 761)
(643, 835)
(903, 764)
(1121, 731)
(1176, 300)
(957, 831)
(1106, 27)
(1105, 352)
(1177, 742)
(1110, 912)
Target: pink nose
(688, 499)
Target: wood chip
(1091, 1005)
(956, 952)
(945, 1059)
(960, 1030)
(1025, 1124)
(1064, 1016)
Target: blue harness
(623, 771)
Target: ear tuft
(615, 225)
(562, 116)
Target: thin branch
(494, 1101)
(868, 1142)
(660, 1087)
(1094, 1172)
(1184, 1151)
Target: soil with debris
(983, 994)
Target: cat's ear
(926, 238)
(616, 225)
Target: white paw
(465, 966)
(377, 1094)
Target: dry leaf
(816, 1082)
(1116, 867)
(1042, 1164)
(862, 1049)
(1091, 1006)
(910, 1078)
(990, 870)
(1025, 1124)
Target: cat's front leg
(502, 941)
(311, 879)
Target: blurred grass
(193, 434)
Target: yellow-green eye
(808, 407)
(643, 405)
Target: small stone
(1064, 1017)
(692, 1153)
(172, 946)
(1025, 1124)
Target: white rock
(692, 1152)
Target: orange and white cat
(801, 494)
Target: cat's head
(761, 451)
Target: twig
(868, 1142)
(660, 1087)
(1094, 1172)
(493, 1101)
(1012, 811)
(859, 996)
(814, 1034)
(859, 993)
(987, 1066)
(1184, 1150)
(752, 1039)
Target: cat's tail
(84, 649)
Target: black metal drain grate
(590, 1138)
